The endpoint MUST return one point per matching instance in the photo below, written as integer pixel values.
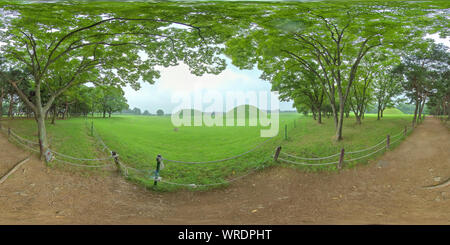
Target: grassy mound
(392, 111)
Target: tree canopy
(332, 56)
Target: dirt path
(371, 194)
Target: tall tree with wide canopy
(440, 98)
(111, 100)
(329, 40)
(66, 45)
(420, 73)
(386, 89)
(298, 85)
(374, 81)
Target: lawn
(139, 139)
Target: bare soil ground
(386, 191)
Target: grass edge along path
(145, 176)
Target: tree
(3, 89)
(440, 98)
(136, 111)
(298, 85)
(8, 92)
(420, 72)
(329, 42)
(361, 90)
(160, 112)
(374, 80)
(83, 101)
(386, 88)
(67, 45)
(111, 99)
(146, 113)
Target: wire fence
(53, 155)
(382, 145)
(151, 174)
(225, 159)
(154, 174)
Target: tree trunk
(378, 113)
(319, 116)
(335, 117)
(42, 130)
(2, 94)
(340, 121)
(415, 114)
(65, 111)
(314, 114)
(421, 109)
(11, 104)
(104, 114)
(448, 114)
(54, 115)
(358, 119)
(419, 115)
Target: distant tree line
(75, 102)
(138, 111)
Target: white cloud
(180, 78)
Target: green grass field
(139, 139)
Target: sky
(178, 78)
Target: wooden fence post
(285, 131)
(404, 133)
(158, 166)
(116, 159)
(341, 159)
(277, 153)
(388, 141)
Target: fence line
(147, 173)
(81, 159)
(358, 158)
(337, 154)
(251, 171)
(126, 168)
(341, 160)
(308, 164)
(80, 165)
(23, 139)
(213, 184)
(312, 159)
(370, 148)
(19, 140)
(225, 159)
(395, 141)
